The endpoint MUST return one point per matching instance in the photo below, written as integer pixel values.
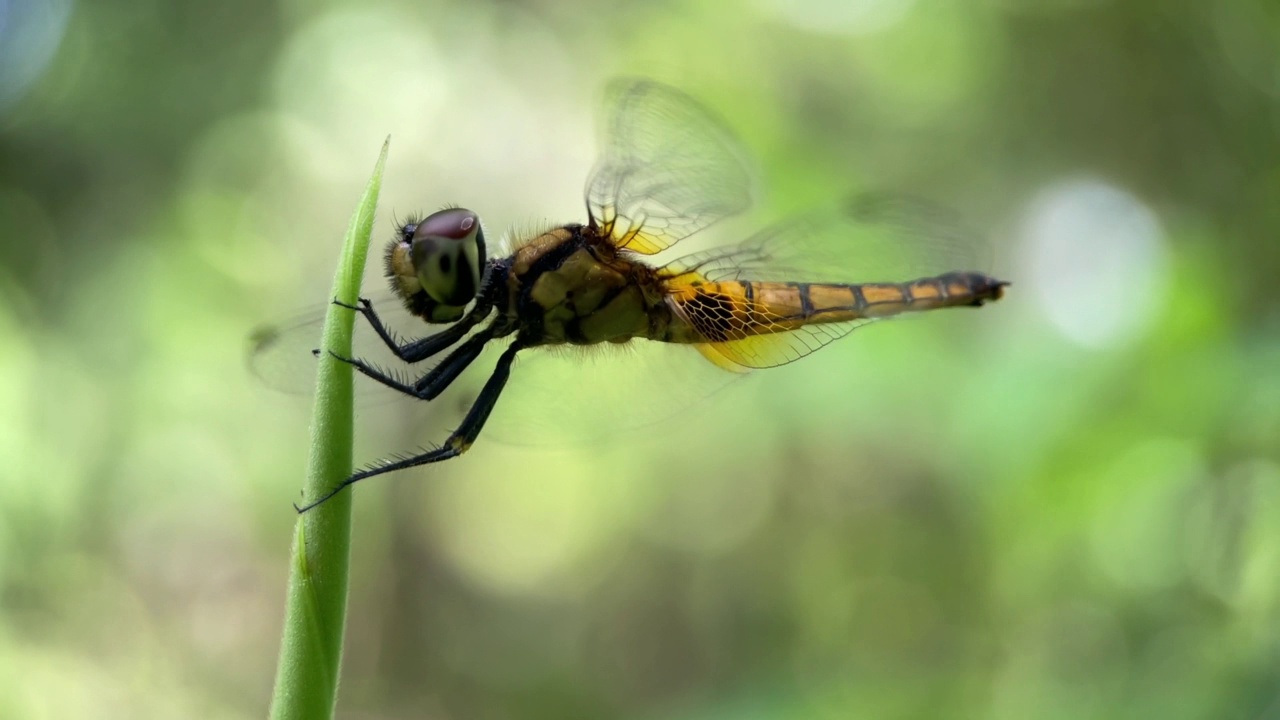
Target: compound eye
(446, 252)
(454, 224)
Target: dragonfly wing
(281, 353)
(668, 168)
(557, 397)
(755, 352)
(874, 237)
(871, 237)
(570, 396)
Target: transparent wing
(570, 397)
(668, 168)
(870, 238)
(281, 353)
(556, 397)
(751, 350)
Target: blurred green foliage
(1065, 505)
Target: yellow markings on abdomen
(950, 290)
(719, 311)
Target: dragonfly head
(442, 255)
(447, 251)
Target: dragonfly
(668, 169)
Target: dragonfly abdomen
(956, 289)
(720, 311)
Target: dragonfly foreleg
(434, 381)
(419, 350)
(458, 442)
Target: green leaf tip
(315, 613)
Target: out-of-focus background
(1064, 505)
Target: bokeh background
(1065, 505)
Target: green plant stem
(315, 617)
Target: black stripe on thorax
(610, 296)
(530, 314)
(573, 329)
(550, 261)
(573, 332)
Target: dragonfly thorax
(571, 286)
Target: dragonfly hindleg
(457, 443)
(440, 377)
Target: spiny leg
(440, 377)
(434, 381)
(457, 443)
(421, 349)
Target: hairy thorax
(570, 286)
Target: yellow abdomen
(719, 311)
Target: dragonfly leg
(440, 377)
(419, 350)
(458, 442)
(434, 381)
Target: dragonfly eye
(447, 251)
